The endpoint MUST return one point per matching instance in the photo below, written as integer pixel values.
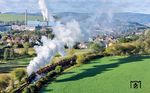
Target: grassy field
(105, 75)
(5, 68)
(14, 17)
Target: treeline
(139, 46)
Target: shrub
(71, 51)
(31, 52)
(26, 46)
(49, 74)
(58, 69)
(32, 88)
(97, 47)
(26, 90)
(19, 74)
(4, 81)
(11, 54)
(81, 58)
(42, 80)
(6, 54)
(38, 84)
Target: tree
(19, 74)
(4, 82)
(6, 54)
(97, 47)
(147, 33)
(26, 46)
(11, 54)
(71, 51)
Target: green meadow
(8, 66)
(17, 17)
(104, 75)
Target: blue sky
(138, 6)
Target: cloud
(141, 6)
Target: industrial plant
(33, 25)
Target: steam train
(65, 63)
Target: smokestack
(26, 18)
(48, 21)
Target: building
(40, 23)
(24, 28)
(32, 25)
(4, 28)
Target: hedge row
(84, 58)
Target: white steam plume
(67, 34)
(45, 53)
(44, 10)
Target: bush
(19, 74)
(71, 51)
(58, 69)
(6, 54)
(38, 84)
(49, 74)
(4, 81)
(11, 54)
(31, 52)
(42, 80)
(57, 55)
(26, 90)
(26, 46)
(97, 47)
(81, 58)
(32, 88)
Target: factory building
(32, 25)
(4, 28)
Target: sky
(82, 6)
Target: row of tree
(141, 46)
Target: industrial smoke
(44, 10)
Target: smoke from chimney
(43, 9)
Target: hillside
(65, 16)
(18, 17)
(127, 16)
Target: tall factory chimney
(26, 17)
(47, 21)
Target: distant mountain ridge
(121, 23)
(134, 17)
(130, 17)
